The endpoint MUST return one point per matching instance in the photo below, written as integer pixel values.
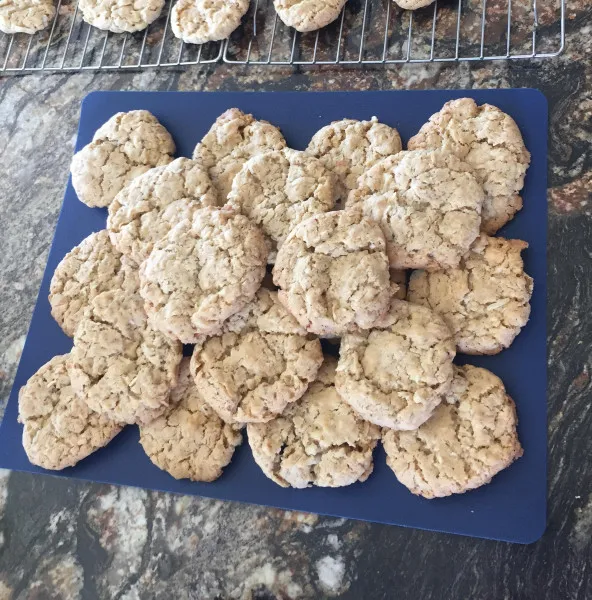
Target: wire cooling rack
(366, 32)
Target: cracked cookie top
(59, 428)
(189, 441)
(308, 15)
(153, 203)
(489, 140)
(279, 189)
(333, 273)
(485, 301)
(119, 16)
(25, 16)
(201, 21)
(428, 204)
(395, 374)
(260, 363)
(92, 267)
(120, 366)
(318, 440)
(470, 438)
(349, 148)
(231, 141)
(126, 146)
(206, 269)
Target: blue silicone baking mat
(513, 506)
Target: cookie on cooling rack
(127, 145)
(485, 301)
(319, 440)
(59, 428)
(489, 140)
(470, 438)
(201, 21)
(190, 441)
(310, 15)
(120, 16)
(231, 141)
(25, 16)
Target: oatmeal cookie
(489, 140)
(395, 374)
(25, 16)
(59, 428)
(485, 301)
(120, 16)
(260, 363)
(470, 438)
(428, 204)
(319, 440)
(308, 15)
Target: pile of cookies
(253, 252)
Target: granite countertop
(64, 539)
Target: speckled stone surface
(61, 539)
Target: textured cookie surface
(413, 4)
(120, 366)
(308, 15)
(485, 301)
(333, 273)
(126, 146)
(201, 21)
(490, 141)
(470, 437)
(59, 429)
(120, 15)
(348, 148)
(279, 189)
(231, 141)
(25, 16)
(395, 374)
(317, 441)
(189, 441)
(206, 269)
(153, 203)
(261, 362)
(92, 267)
(428, 204)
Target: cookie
(120, 16)
(470, 438)
(489, 140)
(59, 428)
(319, 440)
(206, 269)
(333, 273)
(126, 146)
(260, 363)
(25, 16)
(279, 189)
(153, 203)
(120, 366)
(201, 21)
(308, 15)
(92, 267)
(349, 148)
(231, 141)
(412, 4)
(189, 441)
(428, 204)
(485, 301)
(395, 374)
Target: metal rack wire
(366, 32)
